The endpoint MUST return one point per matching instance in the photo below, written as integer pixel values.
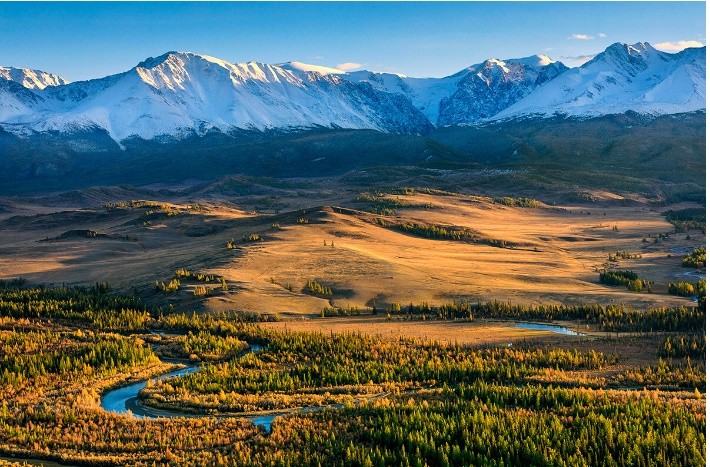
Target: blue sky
(91, 40)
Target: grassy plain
(548, 254)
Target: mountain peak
(623, 77)
(620, 48)
(631, 57)
(152, 62)
(534, 60)
(495, 62)
(643, 49)
(31, 79)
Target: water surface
(124, 400)
(549, 327)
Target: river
(124, 400)
(549, 327)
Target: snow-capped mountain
(425, 93)
(31, 79)
(624, 77)
(494, 85)
(16, 86)
(475, 93)
(182, 93)
(185, 93)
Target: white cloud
(581, 37)
(602, 35)
(348, 66)
(677, 46)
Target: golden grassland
(547, 254)
(462, 332)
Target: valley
(379, 304)
(66, 347)
(225, 262)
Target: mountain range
(183, 94)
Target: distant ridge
(183, 94)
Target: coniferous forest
(379, 401)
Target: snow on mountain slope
(624, 77)
(684, 88)
(477, 92)
(31, 79)
(183, 93)
(485, 89)
(14, 100)
(16, 90)
(306, 68)
(425, 93)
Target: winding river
(124, 400)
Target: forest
(391, 401)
